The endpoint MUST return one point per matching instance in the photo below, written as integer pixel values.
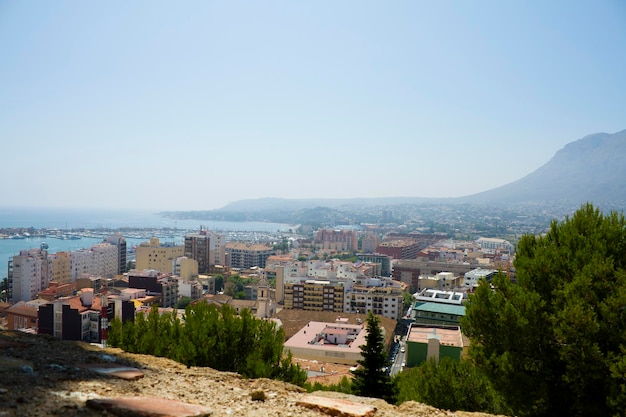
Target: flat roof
(310, 331)
(449, 336)
(441, 308)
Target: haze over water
(41, 218)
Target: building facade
(314, 295)
(119, 242)
(399, 249)
(27, 275)
(384, 301)
(157, 256)
(245, 255)
(336, 240)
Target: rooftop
(314, 329)
(440, 308)
(448, 335)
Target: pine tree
(371, 378)
(554, 342)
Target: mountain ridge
(587, 169)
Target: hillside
(591, 169)
(42, 376)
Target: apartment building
(246, 255)
(207, 248)
(492, 245)
(471, 278)
(119, 242)
(185, 267)
(156, 255)
(369, 243)
(314, 295)
(191, 289)
(378, 258)
(101, 259)
(27, 274)
(155, 282)
(23, 315)
(384, 301)
(336, 240)
(80, 317)
(408, 271)
(444, 281)
(399, 248)
(60, 267)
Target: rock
(336, 407)
(14, 364)
(148, 407)
(124, 372)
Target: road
(400, 358)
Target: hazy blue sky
(191, 105)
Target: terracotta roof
(22, 309)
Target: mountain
(592, 169)
(290, 205)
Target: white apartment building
(492, 244)
(101, 260)
(384, 301)
(28, 274)
(105, 260)
(471, 278)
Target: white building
(471, 278)
(492, 245)
(101, 259)
(28, 275)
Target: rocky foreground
(42, 376)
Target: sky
(193, 105)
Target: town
(325, 281)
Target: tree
(219, 282)
(183, 302)
(554, 343)
(450, 385)
(371, 378)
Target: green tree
(183, 302)
(212, 337)
(219, 282)
(554, 343)
(371, 378)
(450, 385)
(407, 301)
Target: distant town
(413, 266)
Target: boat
(43, 245)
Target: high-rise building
(60, 267)
(118, 240)
(101, 259)
(244, 255)
(27, 274)
(207, 248)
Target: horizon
(157, 107)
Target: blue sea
(65, 219)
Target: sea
(173, 230)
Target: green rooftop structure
(437, 313)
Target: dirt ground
(42, 376)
